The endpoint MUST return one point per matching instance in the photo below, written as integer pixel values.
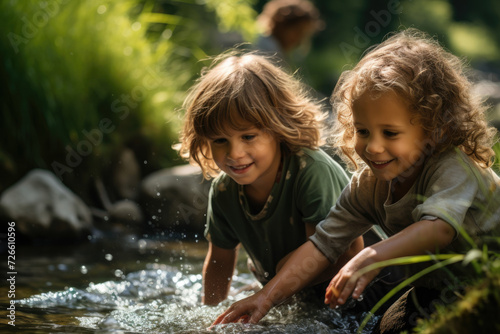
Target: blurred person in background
(286, 26)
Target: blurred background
(90, 106)
(86, 84)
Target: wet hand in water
(249, 310)
(348, 281)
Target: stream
(139, 285)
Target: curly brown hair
(249, 88)
(281, 14)
(435, 85)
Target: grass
(67, 65)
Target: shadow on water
(133, 285)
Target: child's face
(250, 157)
(386, 139)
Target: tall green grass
(66, 65)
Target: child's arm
(302, 267)
(217, 273)
(418, 238)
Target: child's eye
(248, 137)
(390, 133)
(219, 140)
(362, 132)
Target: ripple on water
(167, 301)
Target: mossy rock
(477, 312)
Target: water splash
(164, 299)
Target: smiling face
(386, 138)
(251, 157)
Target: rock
(175, 200)
(126, 212)
(43, 207)
(122, 217)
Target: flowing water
(132, 285)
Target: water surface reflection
(136, 285)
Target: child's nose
(235, 151)
(374, 146)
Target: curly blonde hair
(237, 89)
(434, 84)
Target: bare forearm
(419, 238)
(356, 246)
(217, 273)
(216, 284)
(299, 271)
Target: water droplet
(158, 194)
(106, 218)
(118, 273)
(83, 270)
(145, 162)
(108, 257)
(62, 267)
(142, 243)
(266, 274)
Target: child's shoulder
(308, 163)
(310, 156)
(451, 159)
(455, 163)
(223, 186)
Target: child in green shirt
(255, 128)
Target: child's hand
(347, 282)
(249, 310)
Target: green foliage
(486, 283)
(235, 15)
(478, 307)
(85, 78)
(470, 29)
(442, 260)
(68, 67)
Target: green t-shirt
(311, 181)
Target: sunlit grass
(68, 65)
